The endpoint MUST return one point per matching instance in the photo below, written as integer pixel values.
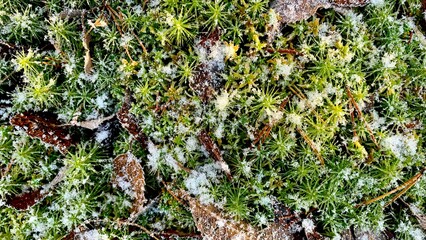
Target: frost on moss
(225, 100)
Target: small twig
(119, 223)
(353, 120)
(348, 91)
(170, 233)
(7, 168)
(7, 77)
(140, 43)
(312, 145)
(404, 187)
(114, 14)
(284, 51)
(166, 186)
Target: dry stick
(140, 43)
(406, 186)
(113, 15)
(120, 223)
(312, 145)
(361, 116)
(284, 51)
(353, 119)
(171, 193)
(266, 130)
(120, 16)
(416, 178)
(302, 96)
(138, 226)
(7, 169)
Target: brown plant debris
(358, 110)
(291, 11)
(356, 233)
(25, 200)
(129, 122)
(289, 225)
(129, 176)
(205, 80)
(29, 199)
(214, 152)
(403, 188)
(349, 3)
(89, 124)
(421, 217)
(213, 224)
(46, 129)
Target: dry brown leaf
(214, 152)
(289, 225)
(128, 121)
(46, 129)
(212, 223)
(291, 11)
(129, 176)
(25, 200)
(29, 199)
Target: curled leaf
(91, 124)
(214, 152)
(129, 176)
(46, 129)
(87, 58)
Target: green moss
(227, 68)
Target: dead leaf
(128, 121)
(29, 199)
(129, 176)
(357, 233)
(46, 129)
(213, 224)
(214, 152)
(289, 225)
(291, 11)
(25, 200)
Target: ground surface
(215, 119)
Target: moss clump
(321, 115)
